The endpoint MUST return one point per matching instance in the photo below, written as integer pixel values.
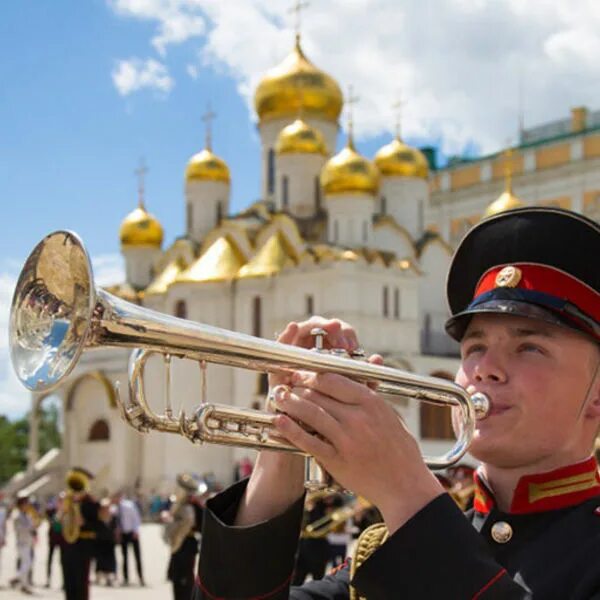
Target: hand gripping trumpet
(57, 313)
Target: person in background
(130, 520)
(54, 536)
(108, 531)
(25, 535)
(3, 519)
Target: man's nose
(489, 367)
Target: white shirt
(3, 516)
(129, 516)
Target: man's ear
(594, 400)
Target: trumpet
(57, 313)
(329, 523)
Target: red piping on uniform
(261, 597)
(490, 583)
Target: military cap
(535, 262)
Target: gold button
(501, 532)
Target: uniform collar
(553, 490)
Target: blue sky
(72, 130)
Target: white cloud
(14, 398)
(456, 63)
(135, 74)
(108, 269)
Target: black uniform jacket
(553, 551)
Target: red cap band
(544, 279)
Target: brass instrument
(70, 518)
(328, 523)
(57, 313)
(181, 519)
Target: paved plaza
(155, 556)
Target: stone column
(34, 450)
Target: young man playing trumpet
(524, 293)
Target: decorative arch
(99, 431)
(98, 376)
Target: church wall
(302, 173)
(405, 199)
(269, 131)
(202, 201)
(350, 221)
(139, 264)
(386, 237)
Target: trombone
(57, 313)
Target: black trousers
(182, 567)
(132, 539)
(75, 562)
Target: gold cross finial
(297, 9)
(208, 117)
(141, 173)
(397, 107)
(351, 100)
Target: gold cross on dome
(140, 172)
(351, 100)
(208, 117)
(397, 108)
(297, 9)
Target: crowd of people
(90, 533)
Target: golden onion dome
(349, 173)
(507, 201)
(207, 166)
(297, 85)
(140, 228)
(397, 159)
(300, 138)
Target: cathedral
(364, 239)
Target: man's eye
(530, 348)
(474, 348)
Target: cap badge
(509, 277)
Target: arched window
(317, 194)
(396, 303)
(271, 171)
(181, 309)
(335, 231)
(385, 301)
(99, 431)
(436, 421)
(256, 316)
(219, 212)
(310, 305)
(383, 205)
(285, 189)
(365, 232)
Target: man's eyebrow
(529, 331)
(473, 334)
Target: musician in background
(79, 526)
(524, 295)
(183, 528)
(25, 537)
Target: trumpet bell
(51, 311)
